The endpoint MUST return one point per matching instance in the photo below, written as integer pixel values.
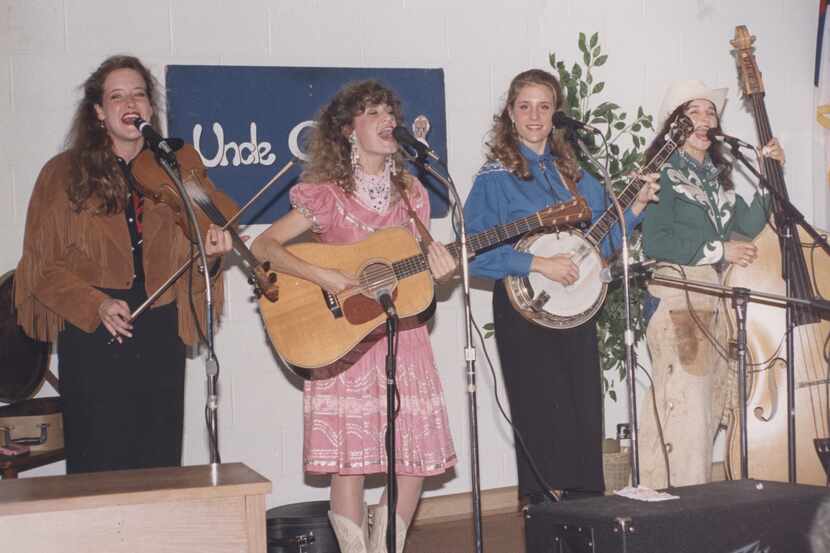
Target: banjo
(553, 305)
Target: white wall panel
(218, 27)
(106, 28)
(33, 25)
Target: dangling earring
(391, 165)
(355, 155)
(101, 124)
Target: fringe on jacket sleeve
(47, 292)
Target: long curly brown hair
(96, 180)
(503, 142)
(716, 150)
(328, 147)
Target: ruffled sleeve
(317, 202)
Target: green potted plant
(622, 152)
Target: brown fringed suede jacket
(68, 255)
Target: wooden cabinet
(205, 509)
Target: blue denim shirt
(500, 197)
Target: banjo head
(550, 303)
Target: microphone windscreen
(402, 135)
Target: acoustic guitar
(318, 333)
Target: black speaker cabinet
(742, 516)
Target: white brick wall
(48, 47)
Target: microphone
(715, 135)
(405, 138)
(615, 270)
(384, 298)
(562, 121)
(164, 146)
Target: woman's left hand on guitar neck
(441, 263)
(648, 193)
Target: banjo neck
(628, 196)
(557, 215)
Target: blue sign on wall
(247, 122)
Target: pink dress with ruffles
(345, 416)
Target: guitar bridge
(333, 304)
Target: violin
(154, 182)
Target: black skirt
(553, 381)
(123, 404)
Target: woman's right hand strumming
(115, 315)
(558, 268)
(334, 280)
(740, 253)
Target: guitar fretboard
(609, 218)
(476, 243)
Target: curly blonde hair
(328, 147)
(503, 142)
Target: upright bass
(807, 266)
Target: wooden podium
(183, 510)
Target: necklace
(373, 191)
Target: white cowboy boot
(377, 538)
(350, 537)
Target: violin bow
(169, 282)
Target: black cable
(548, 491)
(720, 349)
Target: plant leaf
(601, 60)
(598, 88)
(581, 43)
(594, 39)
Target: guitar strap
(567, 181)
(426, 237)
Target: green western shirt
(695, 216)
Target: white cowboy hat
(680, 92)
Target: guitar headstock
(751, 80)
(264, 282)
(566, 213)
(680, 129)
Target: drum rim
(32, 387)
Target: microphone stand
(740, 297)
(469, 349)
(170, 165)
(629, 333)
(790, 216)
(391, 393)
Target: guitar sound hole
(377, 276)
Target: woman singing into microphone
(355, 184)
(93, 250)
(699, 225)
